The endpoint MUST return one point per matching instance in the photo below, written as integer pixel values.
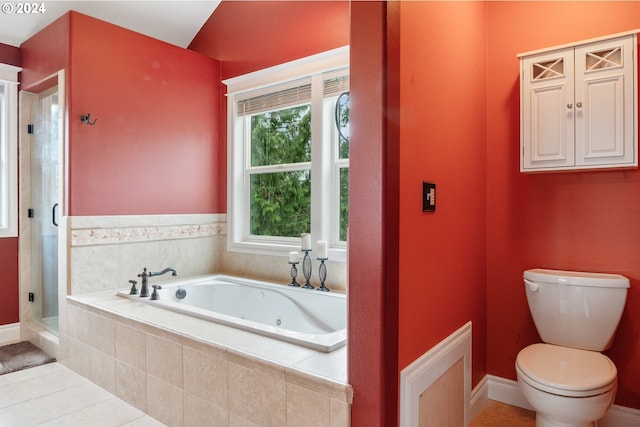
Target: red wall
(154, 149)
(9, 308)
(10, 55)
(287, 30)
(373, 212)
(250, 35)
(45, 54)
(442, 140)
(578, 221)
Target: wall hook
(86, 120)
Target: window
(288, 161)
(8, 151)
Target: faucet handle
(155, 295)
(134, 290)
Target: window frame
(315, 69)
(9, 152)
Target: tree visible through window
(281, 201)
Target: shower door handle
(53, 215)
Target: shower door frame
(30, 329)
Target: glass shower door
(44, 210)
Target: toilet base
(553, 410)
(542, 421)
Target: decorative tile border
(116, 235)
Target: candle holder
(294, 273)
(306, 269)
(322, 272)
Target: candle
(293, 257)
(323, 252)
(306, 241)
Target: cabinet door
(605, 103)
(547, 111)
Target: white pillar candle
(323, 250)
(293, 257)
(306, 241)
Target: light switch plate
(428, 197)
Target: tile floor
(53, 396)
(497, 414)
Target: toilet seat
(566, 371)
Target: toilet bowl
(566, 379)
(567, 387)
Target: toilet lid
(569, 371)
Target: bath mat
(21, 355)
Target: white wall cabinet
(579, 107)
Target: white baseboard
(9, 333)
(507, 391)
(479, 397)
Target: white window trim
(310, 67)
(9, 197)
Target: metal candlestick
(306, 269)
(322, 272)
(294, 273)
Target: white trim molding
(9, 152)
(424, 371)
(9, 333)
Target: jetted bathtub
(306, 317)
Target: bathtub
(305, 317)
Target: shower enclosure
(44, 210)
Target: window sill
(280, 249)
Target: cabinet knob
(569, 106)
(579, 104)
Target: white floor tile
(54, 396)
(110, 413)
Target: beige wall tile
(165, 402)
(307, 408)
(79, 358)
(206, 376)
(198, 413)
(340, 414)
(78, 326)
(256, 396)
(92, 268)
(236, 421)
(103, 370)
(131, 385)
(103, 334)
(131, 346)
(164, 360)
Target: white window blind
(275, 100)
(335, 86)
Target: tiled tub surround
(108, 251)
(180, 370)
(185, 371)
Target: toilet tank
(576, 309)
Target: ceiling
(173, 21)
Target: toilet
(566, 379)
